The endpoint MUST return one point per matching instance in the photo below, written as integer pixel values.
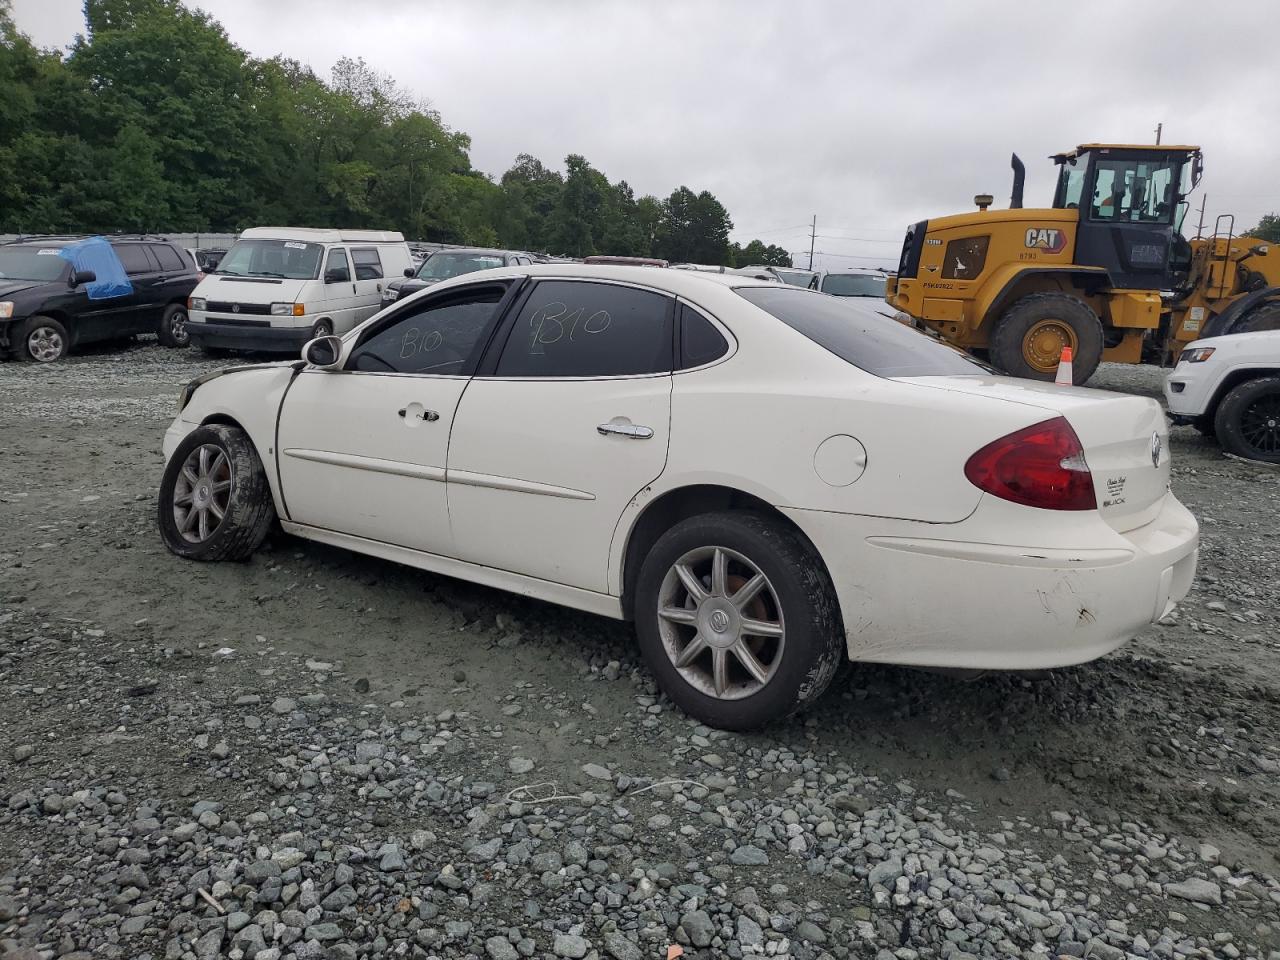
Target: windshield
(442, 266)
(797, 278)
(862, 336)
(286, 259)
(1135, 191)
(32, 263)
(853, 285)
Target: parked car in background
(278, 287)
(447, 264)
(792, 275)
(1229, 388)
(717, 458)
(625, 261)
(701, 267)
(48, 307)
(208, 258)
(855, 282)
(195, 261)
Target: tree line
(155, 121)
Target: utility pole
(1204, 200)
(813, 232)
(1159, 128)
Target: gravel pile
(318, 755)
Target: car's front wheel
(737, 618)
(44, 340)
(173, 327)
(1248, 420)
(215, 502)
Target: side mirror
(408, 271)
(337, 275)
(83, 276)
(323, 352)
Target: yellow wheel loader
(1105, 270)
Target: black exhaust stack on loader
(1019, 175)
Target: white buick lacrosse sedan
(763, 478)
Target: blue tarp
(97, 254)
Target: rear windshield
(31, 263)
(853, 285)
(860, 335)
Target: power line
(829, 236)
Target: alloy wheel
(45, 344)
(201, 492)
(1260, 424)
(720, 623)
(178, 328)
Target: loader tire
(1265, 317)
(1028, 338)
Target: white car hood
(216, 286)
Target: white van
(278, 287)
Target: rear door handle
(631, 430)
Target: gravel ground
(321, 755)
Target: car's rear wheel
(215, 502)
(1248, 420)
(173, 328)
(737, 619)
(1028, 338)
(44, 339)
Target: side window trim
(487, 368)
(725, 332)
(366, 331)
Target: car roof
(317, 235)
(486, 250)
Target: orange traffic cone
(1063, 377)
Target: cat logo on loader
(1046, 239)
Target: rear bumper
(908, 597)
(243, 337)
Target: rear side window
(582, 329)
(169, 258)
(862, 336)
(440, 336)
(368, 263)
(700, 341)
(134, 258)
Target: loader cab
(1128, 198)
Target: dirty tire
(249, 512)
(1010, 335)
(42, 339)
(172, 331)
(1248, 420)
(814, 645)
(1265, 317)
(323, 328)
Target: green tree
(694, 228)
(1268, 229)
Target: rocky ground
(320, 755)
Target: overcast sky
(869, 115)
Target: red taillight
(1040, 466)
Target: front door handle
(430, 416)
(631, 430)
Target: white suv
(1229, 387)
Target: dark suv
(449, 263)
(47, 307)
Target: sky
(867, 115)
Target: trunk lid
(1125, 438)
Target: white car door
(339, 303)
(362, 450)
(369, 280)
(556, 434)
